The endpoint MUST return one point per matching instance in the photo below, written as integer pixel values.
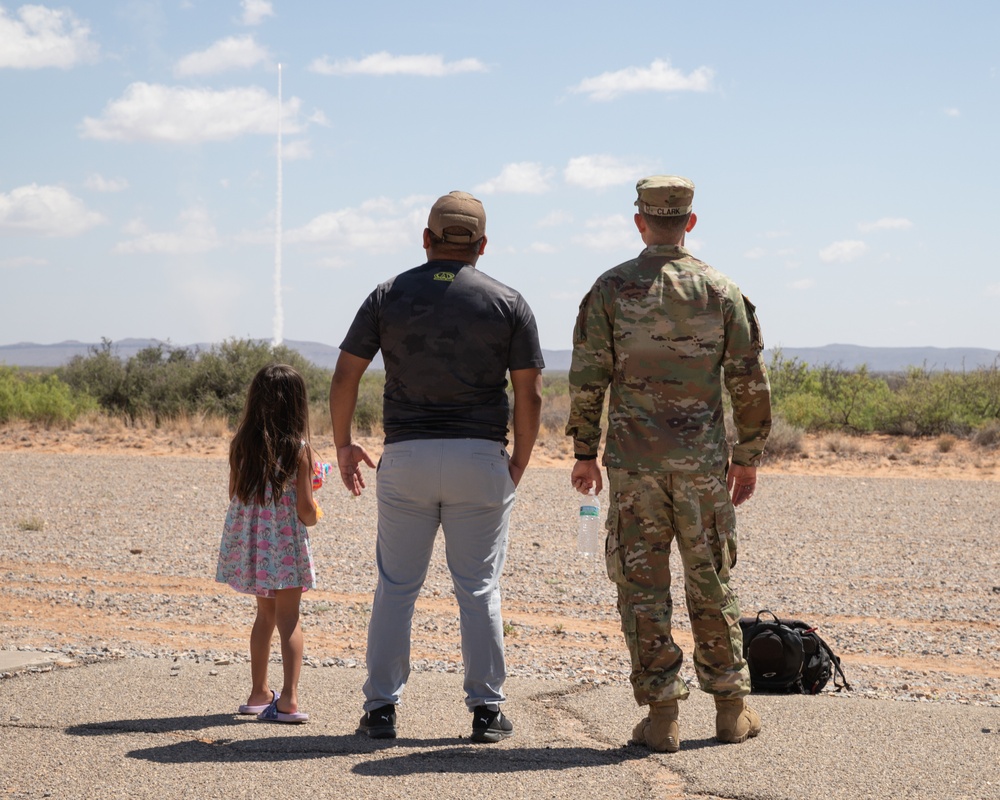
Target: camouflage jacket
(664, 331)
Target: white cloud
(197, 234)
(424, 66)
(50, 211)
(599, 172)
(843, 251)
(885, 224)
(297, 150)
(952, 112)
(993, 290)
(755, 253)
(804, 283)
(616, 232)
(44, 37)
(657, 77)
(318, 118)
(22, 261)
(543, 248)
(98, 183)
(379, 225)
(234, 52)
(254, 11)
(525, 177)
(554, 219)
(153, 112)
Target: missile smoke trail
(279, 311)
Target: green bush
(917, 403)
(41, 399)
(161, 382)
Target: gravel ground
(110, 556)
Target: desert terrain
(888, 546)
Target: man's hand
(349, 458)
(741, 481)
(586, 474)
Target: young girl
(265, 544)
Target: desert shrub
(368, 411)
(840, 444)
(160, 383)
(42, 399)
(987, 436)
(827, 397)
(805, 411)
(946, 443)
(222, 375)
(855, 401)
(100, 375)
(790, 378)
(916, 403)
(784, 440)
(555, 413)
(925, 404)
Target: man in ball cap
(449, 334)
(665, 332)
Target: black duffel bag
(787, 656)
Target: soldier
(665, 331)
(449, 334)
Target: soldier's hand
(741, 482)
(586, 474)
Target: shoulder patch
(444, 276)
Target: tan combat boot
(735, 721)
(659, 731)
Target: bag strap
(767, 611)
(837, 669)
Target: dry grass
(842, 445)
(946, 443)
(785, 440)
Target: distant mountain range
(846, 356)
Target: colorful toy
(320, 471)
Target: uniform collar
(674, 250)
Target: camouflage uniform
(663, 331)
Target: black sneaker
(379, 723)
(490, 726)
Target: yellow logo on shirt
(445, 276)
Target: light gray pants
(463, 486)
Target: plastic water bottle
(589, 533)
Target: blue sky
(844, 156)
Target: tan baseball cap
(665, 195)
(461, 210)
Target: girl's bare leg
(260, 651)
(286, 604)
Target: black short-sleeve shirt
(448, 335)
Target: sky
(844, 156)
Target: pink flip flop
(245, 709)
(271, 714)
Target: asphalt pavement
(141, 727)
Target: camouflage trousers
(647, 513)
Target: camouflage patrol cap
(665, 195)
(457, 210)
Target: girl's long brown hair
(275, 422)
